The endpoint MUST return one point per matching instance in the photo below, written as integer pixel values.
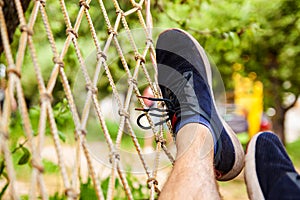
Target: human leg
(213, 150)
(185, 80)
(269, 172)
(193, 174)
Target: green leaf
(62, 136)
(65, 102)
(25, 157)
(87, 191)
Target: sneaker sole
(239, 152)
(253, 188)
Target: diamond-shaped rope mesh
(140, 59)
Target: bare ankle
(194, 137)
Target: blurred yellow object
(248, 96)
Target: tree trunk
(278, 119)
(11, 18)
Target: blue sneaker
(185, 80)
(269, 172)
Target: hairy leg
(193, 174)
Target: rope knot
(151, 181)
(79, 132)
(24, 28)
(122, 112)
(138, 6)
(120, 12)
(112, 31)
(72, 31)
(58, 61)
(15, 72)
(83, 3)
(37, 166)
(101, 55)
(149, 40)
(90, 87)
(70, 192)
(83, 132)
(42, 2)
(161, 140)
(132, 81)
(114, 156)
(46, 97)
(139, 57)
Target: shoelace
(171, 110)
(147, 111)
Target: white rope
(26, 40)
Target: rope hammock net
(133, 62)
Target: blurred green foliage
(139, 190)
(246, 32)
(293, 150)
(263, 37)
(63, 118)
